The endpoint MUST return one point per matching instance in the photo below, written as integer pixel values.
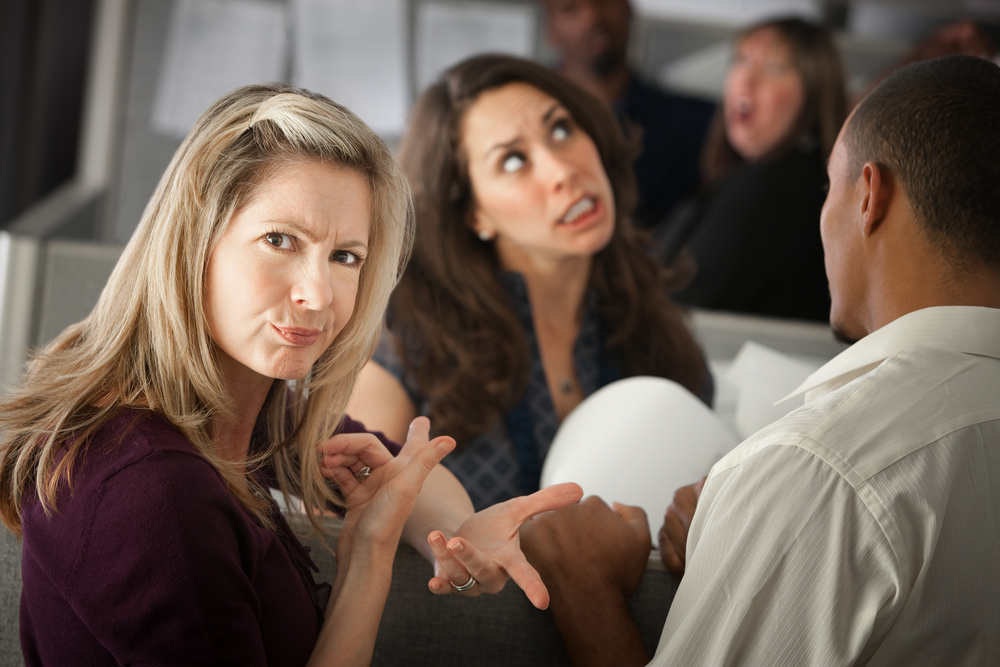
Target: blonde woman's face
(540, 188)
(764, 94)
(282, 281)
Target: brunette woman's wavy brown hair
(454, 323)
(817, 61)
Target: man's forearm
(598, 628)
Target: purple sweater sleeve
(152, 562)
(351, 426)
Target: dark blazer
(755, 240)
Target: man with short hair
(864, 527)
(591, 38)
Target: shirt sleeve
(786, 566)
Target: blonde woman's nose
(313, 287)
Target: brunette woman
(528, 289)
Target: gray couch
(418, 628)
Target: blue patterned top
(506, 461)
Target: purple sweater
(150, 561)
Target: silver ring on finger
(362, 474)
(466, 586)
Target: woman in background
(529, 288)
(754, 231)
(135, 458)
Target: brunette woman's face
(764, 94)
(539, 185)
(282, 280)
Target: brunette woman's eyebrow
(548, 114)
(501, 146)
(507, 144)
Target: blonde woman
(136, 456)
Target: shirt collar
(966, 329)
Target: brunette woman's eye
(513, 162)
(278, 240)
(561, 130)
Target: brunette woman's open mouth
(584, 211)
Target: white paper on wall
(212, 47)
(728, 12)
(447, 33)
(355, 53)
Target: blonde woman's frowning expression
(283, 278)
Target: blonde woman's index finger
(363, 446)
(419, 431)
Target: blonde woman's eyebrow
(353, 244)
(310, 235)
(295, 228)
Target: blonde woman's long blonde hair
(146, 345)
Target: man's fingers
(676, 527)
(669, 555)
(634, 516)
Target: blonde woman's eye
(561, 130)
(513, 162)
(345, 257)
(278, 240)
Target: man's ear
(877, 191)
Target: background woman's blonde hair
(146, 344)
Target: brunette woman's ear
(478, 228)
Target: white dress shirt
(864, 527)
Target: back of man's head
(935, 125)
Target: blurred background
(97, 95)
